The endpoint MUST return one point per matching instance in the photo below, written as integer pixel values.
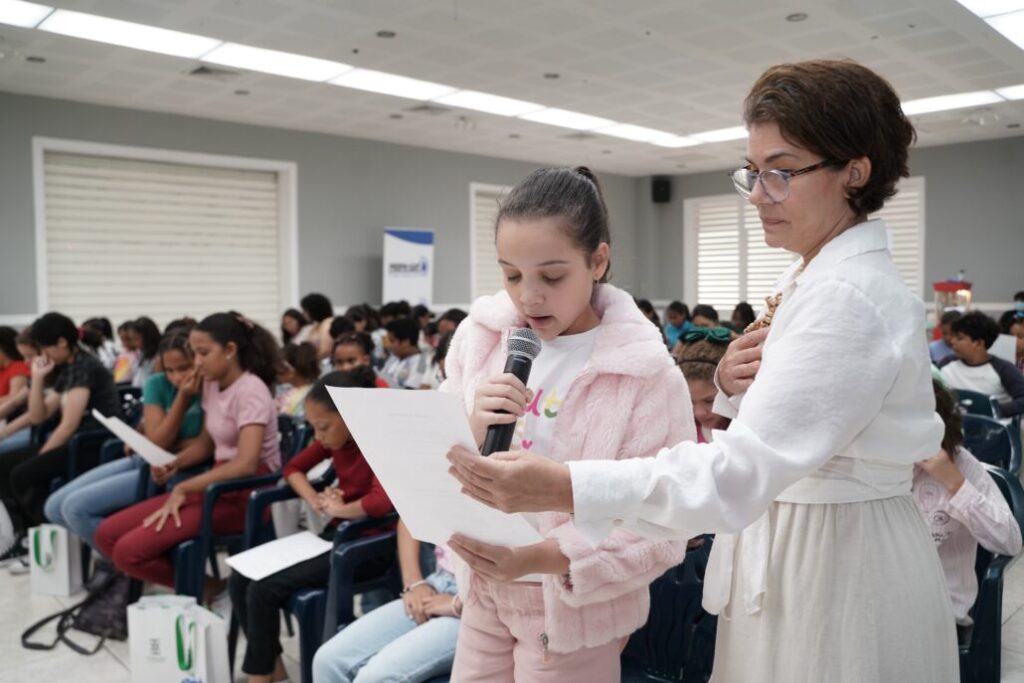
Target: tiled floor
(19, 608)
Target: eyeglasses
(775, 183)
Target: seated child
(975, 369)
(411, 639)
(702, 350)
(406, 367)
(963, 508)
(358, 494)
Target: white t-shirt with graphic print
(554, 370)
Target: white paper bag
(173, 640)
(55, 560)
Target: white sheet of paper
(150, 452)
(404, 436)
(263, 560)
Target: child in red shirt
(358, 494)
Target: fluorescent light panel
(23, 14)
(567, 119)
(676, 141)
(1013, 92)
(127, 34)
(722, 134)
(491, 104)
(991, 8)
(948, 102)
(275, 62)
(1011, 26)
(628, 131)
(391, 84)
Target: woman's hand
(742, 360)
(439, 605)
(519, 481)
(41, 367)
(942, 468)
(169, 509)
(161, 475)
(192, 385)
(415, 602)
(500, 563)
(502, 393)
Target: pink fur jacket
(629, 401)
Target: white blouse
(841, 409)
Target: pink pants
(502, 640)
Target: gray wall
(974, 218)
(349, 190)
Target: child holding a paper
(257, 604)
(172, 417)
(237, 361)
(603, 385)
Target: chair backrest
(286, 436)
(988, 440)
(1012, 490)
(678, 641)
(130, 399)
(974, 403)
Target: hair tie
(715, 335)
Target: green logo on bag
(186, 639)
(43, 560)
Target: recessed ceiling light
(991, 8)
(927, 105)
(492, 104)
(1011, 26)
(391, 84)
(568, 119)
(127, 34)
(24, 14)
(721, 135)
(386, 34)
(275, 62)
(35, 59)
(796, 17)
(1014, 92)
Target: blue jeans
(80, 505)
(386, 645)
(16, 441)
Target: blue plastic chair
(973, 402)
(980, 659)
(1015, 437)
(677, 644)
(991, 442)
(307, 606)
(353, 547)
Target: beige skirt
(855, 594)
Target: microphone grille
(524, 342)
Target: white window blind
(128, 237)
(728, 261)
(904, 217)
(487, 275)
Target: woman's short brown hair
(841, 111)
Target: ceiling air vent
(428, 109)
(579, 136)
(214, 72)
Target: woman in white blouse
(823, 568)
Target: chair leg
(233, 628)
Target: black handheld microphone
(523, 347)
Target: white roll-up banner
(409, 265)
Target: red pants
(142, 552)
